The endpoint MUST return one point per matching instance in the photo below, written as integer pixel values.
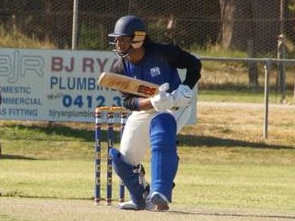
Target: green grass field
(228, 171)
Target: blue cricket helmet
(129, 25)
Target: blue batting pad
(164, 161)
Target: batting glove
(182, 95)
(164, 100)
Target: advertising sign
(54, 85)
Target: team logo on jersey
(155, 71)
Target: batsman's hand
(164, 100)
(182, 95)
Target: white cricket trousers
(135, 140)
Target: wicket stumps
(110, 113)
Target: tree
(249, 20)
(247, 26)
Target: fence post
(75, 24)
(266, 94)
(281, 68)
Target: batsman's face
(122, 44)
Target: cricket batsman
(154, 122)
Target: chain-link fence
(224, 28)
(252, 26)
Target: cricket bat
(127, 84)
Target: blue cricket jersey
(159, 65)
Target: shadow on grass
(16, 157)
(210, 141)
(56, 130)
(184, 140)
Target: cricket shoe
(130, 205)
(160, 201)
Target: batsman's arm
(135, 103)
